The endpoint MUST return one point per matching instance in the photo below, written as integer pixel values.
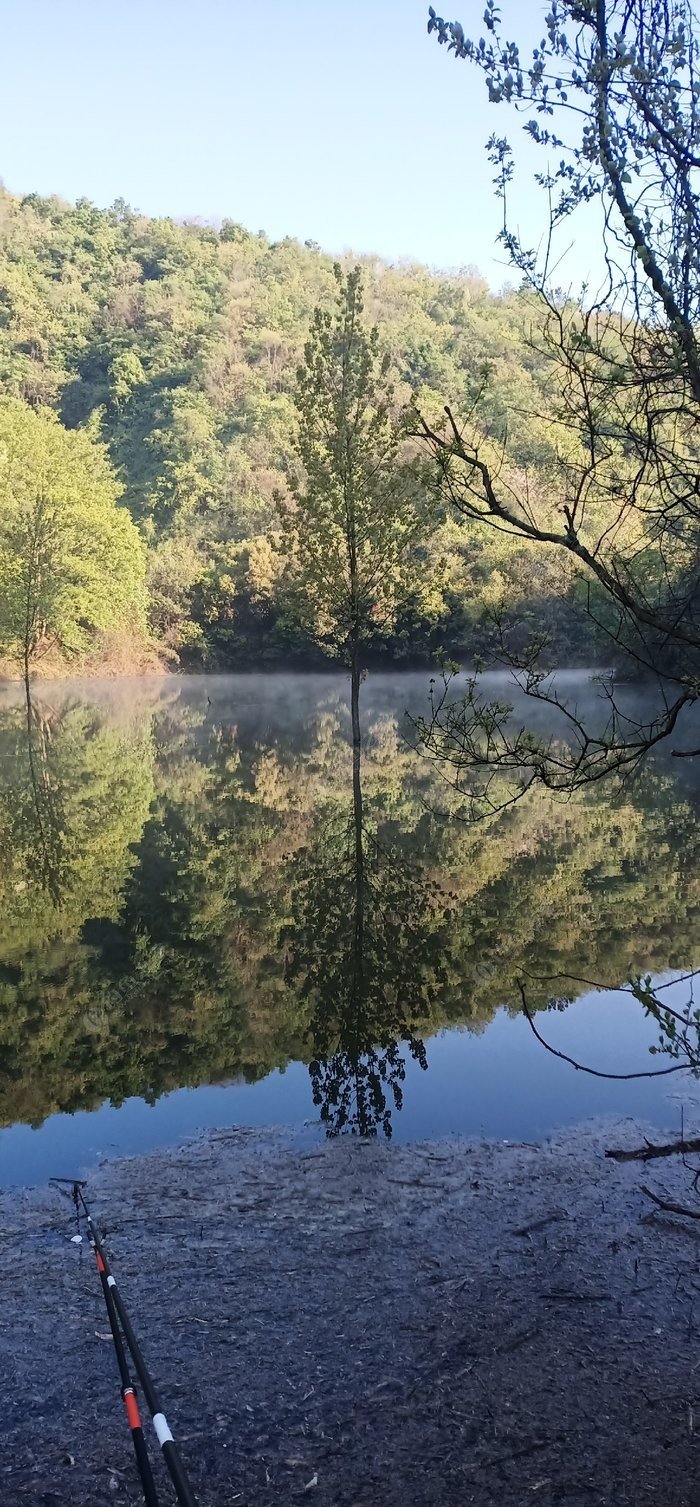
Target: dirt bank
(351, 1324)
(116, 656)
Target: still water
(195, 932)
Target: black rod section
(171, 1454)
(128, 1392)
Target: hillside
(177, 346)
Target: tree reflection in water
(190, 896)
(366, 951)
(43, 817)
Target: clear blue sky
(341, 121)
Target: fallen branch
(648, 1151)
(669, 1207)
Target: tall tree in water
(355, 511)
(71, 561)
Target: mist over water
(195, 930)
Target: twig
(515, 1454)
(578, 1297)
(540, 1224)
(662, 1072)
(518, 1340)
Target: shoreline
(356, 1323)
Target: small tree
(71, 561)
(356, 512)
(611, 96)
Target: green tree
(125, 374)
(71, 561)
(356, 513)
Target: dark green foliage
(179, 345)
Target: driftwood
(649, 1151)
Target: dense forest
(147, 374)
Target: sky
(341, 122)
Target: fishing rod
(171, 1454)
(128, 1390)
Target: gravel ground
(360, 1325)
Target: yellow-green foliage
(71, 561)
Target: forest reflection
(193, 893)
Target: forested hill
(177, 345)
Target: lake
(192, 934)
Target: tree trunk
(27, 687)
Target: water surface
(185, 940)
